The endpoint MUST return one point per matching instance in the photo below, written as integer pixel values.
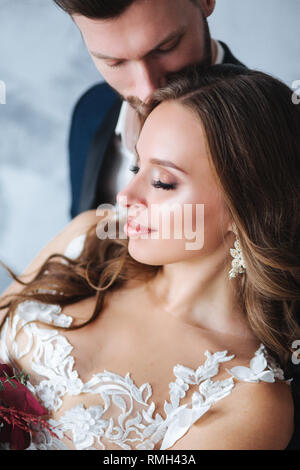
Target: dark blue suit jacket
(93, 122)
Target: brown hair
(97, 9)
(253, 133)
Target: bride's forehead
(173, 130)
(168, 118)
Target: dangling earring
(238, 262)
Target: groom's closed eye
(164, 49)
(169, 46)
(165, 46)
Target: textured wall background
(46, 68)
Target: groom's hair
(95, 8)
(102, 9)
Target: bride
(143, 341)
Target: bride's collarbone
(130, 335)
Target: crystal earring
(238, 262)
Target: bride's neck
(201, 295)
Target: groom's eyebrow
(180, 32)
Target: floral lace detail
(42, 439)
(263, 367)
(86, 426)
(141, 430)
(75, 247)
(90, 426)
(272, 364)
(128, 418)
(50, 314)
(93, 426)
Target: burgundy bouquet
(20, 412)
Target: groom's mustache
(138, 105)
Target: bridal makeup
(173, 194)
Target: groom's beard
(206, 61)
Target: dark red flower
(19, 409)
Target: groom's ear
(207, 6)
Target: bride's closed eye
(156, 183)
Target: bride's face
(174, 192)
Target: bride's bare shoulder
(77, 226)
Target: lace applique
(141, 430)
(46, 313)
(181, 418)
(73, 251)
(90, 426)
(51, 352)
(257, 370)
(86, 426)
(75, 247)
(262, 368)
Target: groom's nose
(148, 78)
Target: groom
(134, 44)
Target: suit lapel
(95, 158)
(228, 56)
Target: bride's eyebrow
(157, 161)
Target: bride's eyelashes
(156, 183)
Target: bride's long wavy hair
(253, 133)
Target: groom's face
(135, 51)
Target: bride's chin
(143, 254)
(154, 255)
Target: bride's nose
(130, 198)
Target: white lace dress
(137, 425)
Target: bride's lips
(133, 228)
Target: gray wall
(46, 68)
(264, 34)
